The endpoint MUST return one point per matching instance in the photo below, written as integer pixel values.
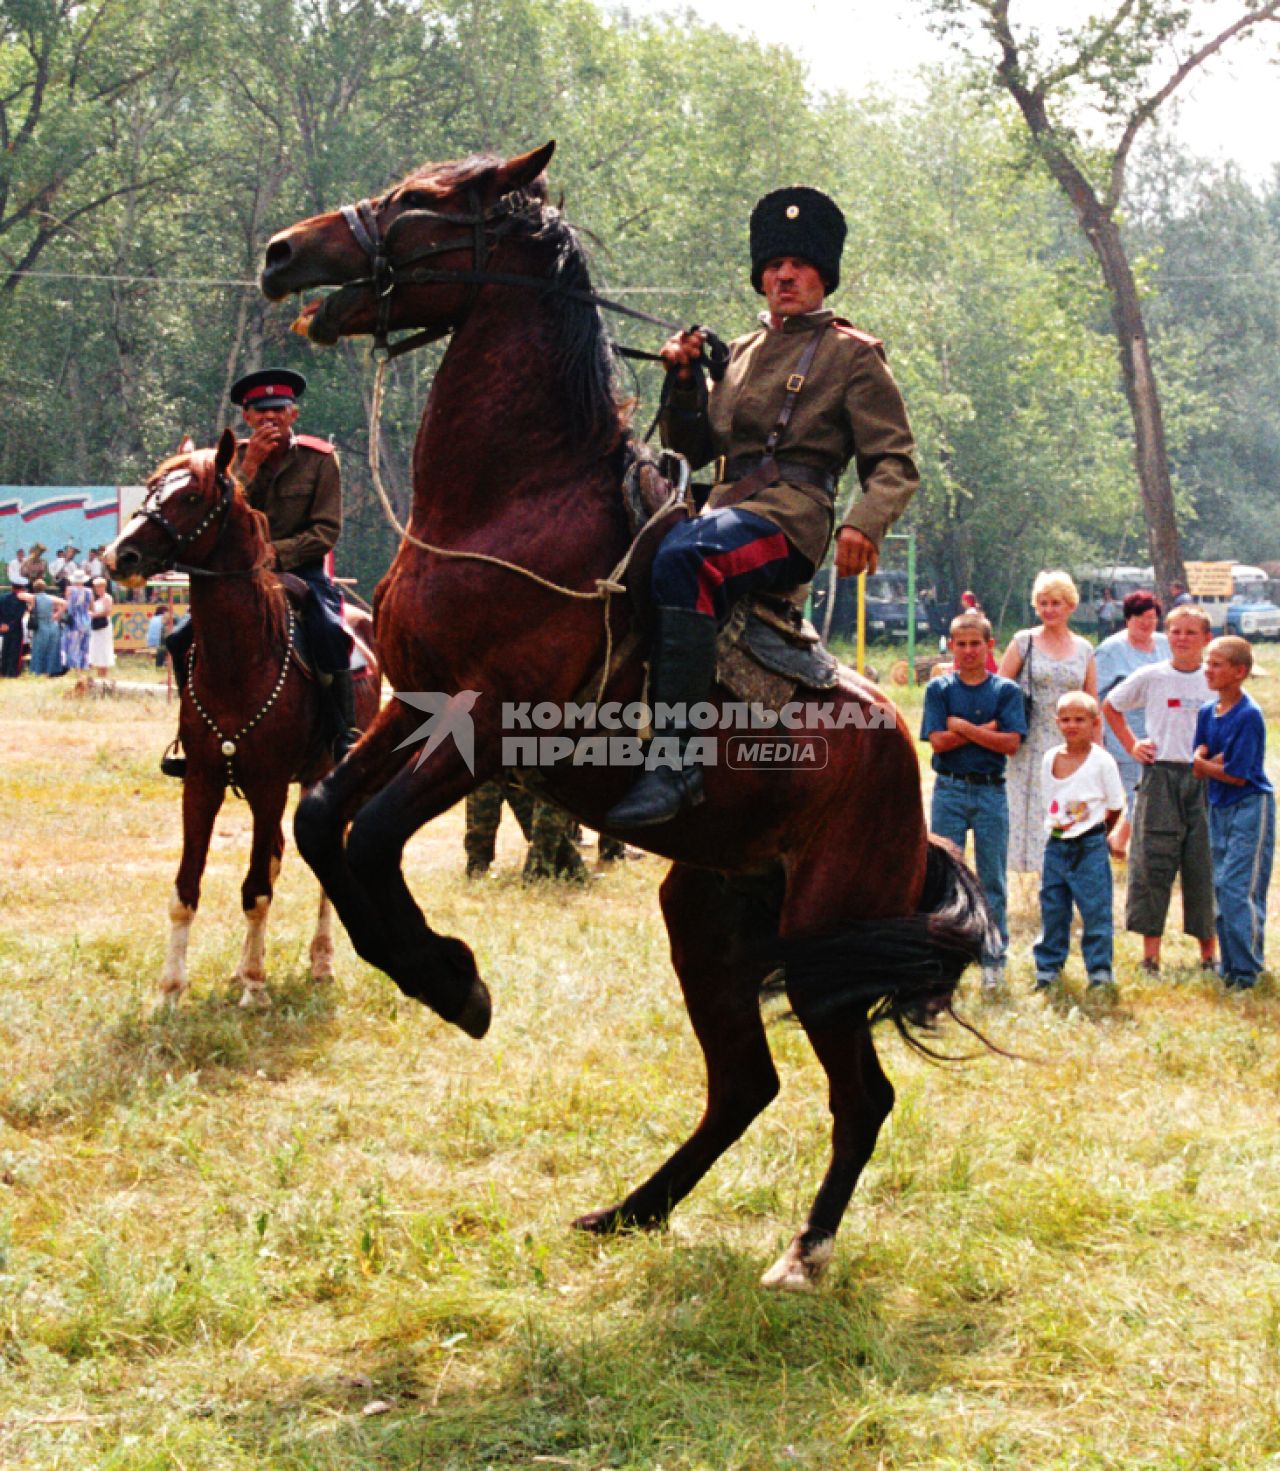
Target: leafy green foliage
(183, 138)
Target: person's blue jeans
(960, 808)
(1075, 872)
(1243, 839)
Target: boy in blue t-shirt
(975, 721)
(1230, 744)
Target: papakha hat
(268, 388)
(798, 221)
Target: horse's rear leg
(201, 800)
(861, 1098)
(322, 949)
(268, 805)
(720, 946)
(877, 883)
(322, 952)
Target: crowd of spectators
(1021, 761)
(57, 611)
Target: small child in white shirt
(1084, 799)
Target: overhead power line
(613, 290)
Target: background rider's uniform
(300, 493)
(299, 490)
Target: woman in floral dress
(1059, 661)
(75, 622)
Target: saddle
(358, 625)
(767, 649)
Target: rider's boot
(173, 762)
(684, 665)
(342, 698)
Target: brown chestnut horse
(827, 873)
(246, 690)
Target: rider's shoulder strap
(313, 441)
(847, 329)
(794, 384)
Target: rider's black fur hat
(268, 388)
(802, 222)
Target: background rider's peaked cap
(798, 221)
(268, 388)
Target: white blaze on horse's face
(161, 495)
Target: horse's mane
(581, 356)
(272, 625)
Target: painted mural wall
(83, 515)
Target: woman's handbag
(98, 622)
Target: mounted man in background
(294, 480)
(802, 396)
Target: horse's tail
(901, 970)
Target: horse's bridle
(487, 226)
(219, 511)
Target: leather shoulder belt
(760, 471)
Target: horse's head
(409, 258)
(189, 497)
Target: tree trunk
(1140, 389)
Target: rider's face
(281, 418)
(792, 286)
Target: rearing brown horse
(828, 873)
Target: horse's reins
(386, 275)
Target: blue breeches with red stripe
(707, 563)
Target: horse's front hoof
(477, 1011)
(600, 1223)
(616, 1219)
(800, 1267)
(255, 998)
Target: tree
(1125, 67)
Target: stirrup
(173, 762)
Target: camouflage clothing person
(548, 829)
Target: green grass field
(334, 1235)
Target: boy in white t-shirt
(1170, 818)
(1084, 799)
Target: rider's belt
(740, 465)
(974, 778)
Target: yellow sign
(1209, 579)
(129, 624)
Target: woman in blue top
(46, 635)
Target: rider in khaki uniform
(294, 480)
(803, 396)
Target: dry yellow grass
(335, 1235)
